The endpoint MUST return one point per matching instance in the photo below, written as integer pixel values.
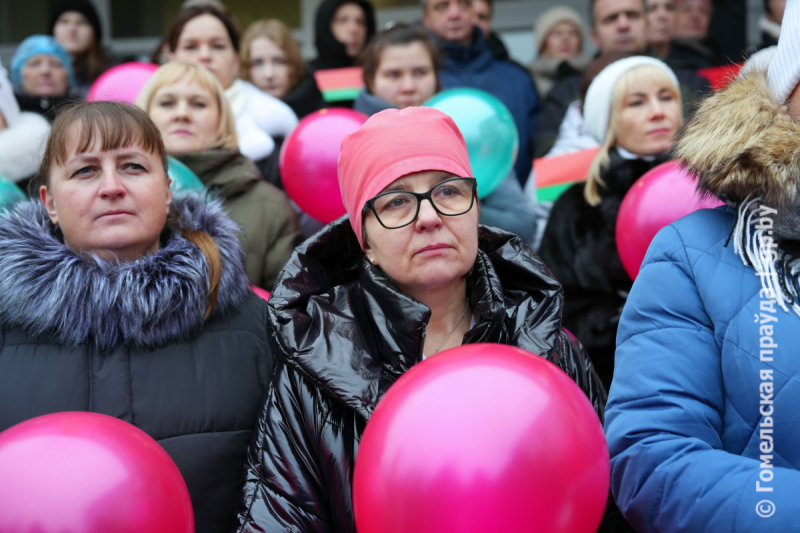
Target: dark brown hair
(188, 13)
(91, 63)
(118, 126)
(398, 35)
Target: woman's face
(349, 27)
(44, 75)
(73, 32)
(434, 251)
(113, 204)
(205, 41)
(405, 75)
(649, 118)
(269, 67)
(563, 41)
(187, 115)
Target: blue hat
(34, 46)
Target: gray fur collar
(47, 289)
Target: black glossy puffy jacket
(336, 357)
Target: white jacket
(259, 117)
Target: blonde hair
(601, 160)
(175, 71)
(280, 34)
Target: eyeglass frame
(420, 196)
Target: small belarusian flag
(339, 84)
(555, 174)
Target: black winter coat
(128, 340)
(328, 318)
(579, 246)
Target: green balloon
(488, 129)
(10, 193)
(183, 179)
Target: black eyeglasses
(396, 209)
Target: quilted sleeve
(664, 417)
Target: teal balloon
(183, 179)
(10, 193)
(488, 129)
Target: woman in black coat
(633, 107)
(353, 310)
(119, 299)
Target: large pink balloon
(121, 83)
(481, 438)
(660, 197)
(309, 159)
(77, 472)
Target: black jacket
(305, 98)
(330, 52)
(328, 318)
(47, 106)
(579, 246)
(129, 340)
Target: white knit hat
(597, 105)
(8, 103)
(784, 68)
(550, 19)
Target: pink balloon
(78, 472)
(484, 437)
(121, 83)
(309, 159)
(260, 292)
(660, 197)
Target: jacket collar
(476, 55)
(47, 289)
(349, 330)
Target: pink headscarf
(392, 144)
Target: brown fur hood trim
(740, 143)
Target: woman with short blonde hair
(189, 107)
(175, 71)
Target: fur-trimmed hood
(740, 143)
(47, 289)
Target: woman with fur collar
(119, 299)
(22, 135)
(702, 418)
(632, 107)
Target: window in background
(152, 18)
(19, 19)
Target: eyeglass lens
(452, 197)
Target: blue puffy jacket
(703, 432)
(475, 66)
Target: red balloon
(121, 83)
(78, 472)
(660, 197)
(260, 292)
(309, 160)
(484, 437)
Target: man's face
(482, 16)
(661, 16)
(619, 26)
(449, 19)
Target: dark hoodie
(330, 52)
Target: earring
(374, 261)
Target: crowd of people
(120, 296)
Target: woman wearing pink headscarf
(407, 274)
